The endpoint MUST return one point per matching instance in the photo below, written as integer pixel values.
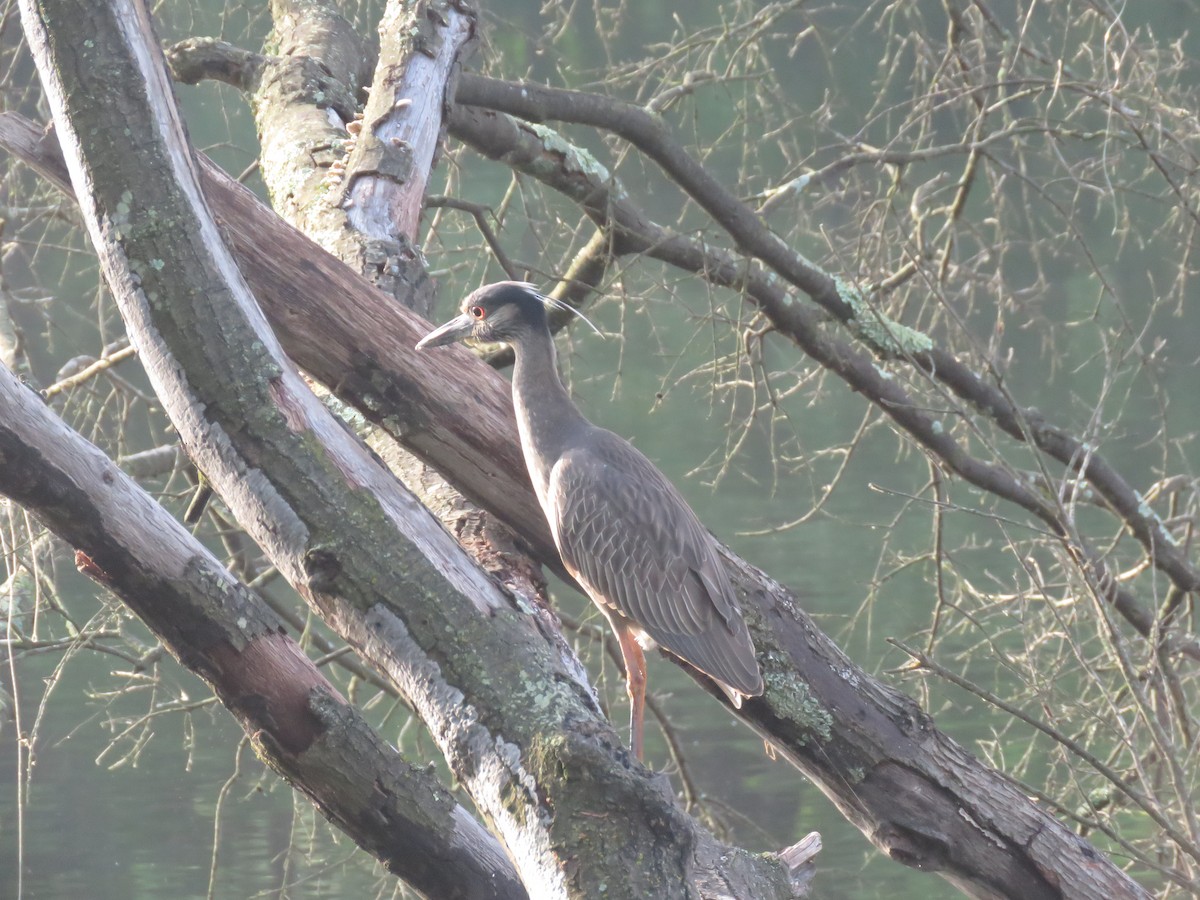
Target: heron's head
(506, 311)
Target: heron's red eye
(477, 312)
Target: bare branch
(298, 722)
(529, 149)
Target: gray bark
(513, 717)
(217, 627)
(914, 792)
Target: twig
(91, 371)
(1146, 804)
(480, 214)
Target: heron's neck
(546, 417)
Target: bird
(623, 531)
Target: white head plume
(553, 303)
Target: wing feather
(639, 550)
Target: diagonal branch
(850, 306)
(543, 155)
(221, 630)
(506, 705)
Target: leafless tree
(984, 227)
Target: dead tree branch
(509, 711)
(217, 627)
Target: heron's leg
(635, 684)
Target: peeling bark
(348, 211)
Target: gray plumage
(638, 549)
(621, 527)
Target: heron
(623, 531)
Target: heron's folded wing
(637, 547)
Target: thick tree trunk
(370, 171)
(913, 791)
(862, 742)
(513, 716)
(222, 631)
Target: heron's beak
(454, 330)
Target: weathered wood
(220, 630)
(421, 46)
(511, 714)
(348, 211)
(854, 736)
